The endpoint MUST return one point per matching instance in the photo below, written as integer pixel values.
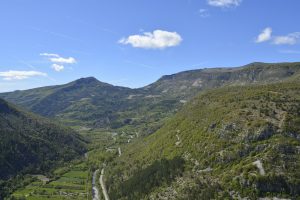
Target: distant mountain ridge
(87, 93)
(188, 82)
(90, 102)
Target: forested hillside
(234, 142)
(89, 102)
(32, 144)
(206, 134)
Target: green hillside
(232, 142)
(31, 144)
(223, 133)
(77, 100)
(89, 102)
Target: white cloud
(159, 39)
(69, 60)
(264, 36)
(19, 75)
(289, 39)
(57, 61)
(224, 3)
(204, 13)
(49, 55)
(57, 67)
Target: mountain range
(215, 133)
(89, 102)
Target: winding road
(94, 186)
(119, 151)
(104, 191)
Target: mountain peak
(88, 81)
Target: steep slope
(89, 102)
(232, 142)
(85, 99)
(188, 83)
(31, 144)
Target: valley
(149, 100)
(224, 133)
(78, 179)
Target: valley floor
(82, 179)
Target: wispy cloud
(158, 39)
(57, 67)
(58, 61)
(56, 34)
(27, 64)
(289, 51)
(92, 25)
(50, 55)
(23, 62)
(289, 39)
(69, 60)
(203, 13)
(224, 3)
(19, 75)
(55, 58)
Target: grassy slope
(220, 134)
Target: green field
(73, 184)
(74, 180)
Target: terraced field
(74, 180)
(73, 184)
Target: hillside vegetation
(240, 141)
(223, 133)
(32, 144)
(188, 83)
(90, 103)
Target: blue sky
(134, 42)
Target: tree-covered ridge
(146, 180)
(186, 84)
(89, 102)
(32, 144)
(240, 141)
